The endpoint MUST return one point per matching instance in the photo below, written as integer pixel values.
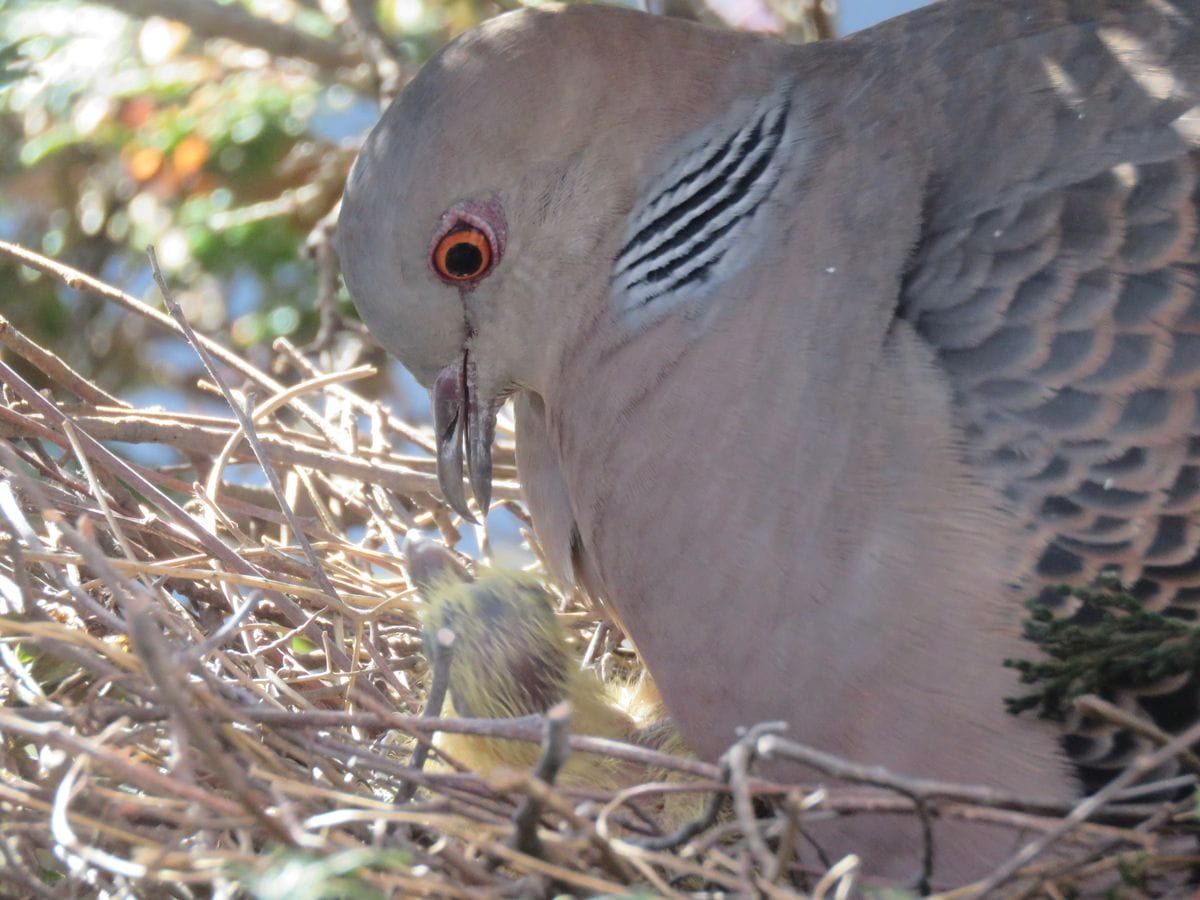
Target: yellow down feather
(511, 658)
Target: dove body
(818, 353)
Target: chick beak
(430, 562)
(461, 418)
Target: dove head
(482, 216)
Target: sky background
(856, 14)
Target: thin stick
(211, 542)
(1136, 770)
(54, 368)
(246, 423)
(554, 755)
(443, 651)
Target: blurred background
(221, 132)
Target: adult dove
(824, 357)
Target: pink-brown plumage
(826, 356)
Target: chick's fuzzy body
(511, 658)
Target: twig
(81, 281)
(387, 63)
(209, 19)
(11, 512)
(209, 541)
(554, 753)
(683, 834)
(840, 878)
(443, 652)
(738, 761)
(54, 368)
(1140, 766)
(772, 746)
(418, 436)
(119, 763)
(507, 781)
(246, 424)
(319, 246)
(1091, 705)
(148, 644)
(194, 437)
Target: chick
(510, 658)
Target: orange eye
(463, 254)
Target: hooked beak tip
(463, 423)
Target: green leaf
(13, 64)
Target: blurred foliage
(118, 131)
(296, 876)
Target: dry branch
(209, 19)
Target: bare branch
(209, 19)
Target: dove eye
(464, 252)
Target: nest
(212, 688)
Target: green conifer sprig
(1111, 642)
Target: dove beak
(464, 423)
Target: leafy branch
(1110, 642)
